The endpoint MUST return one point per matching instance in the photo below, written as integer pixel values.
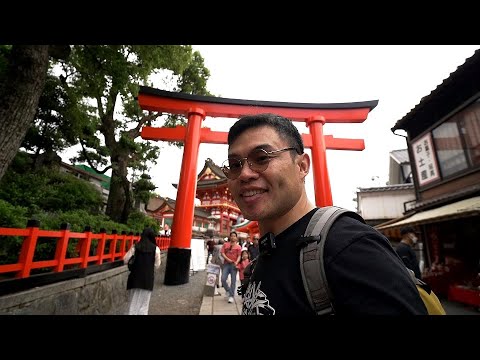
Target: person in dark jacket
(406, 252)
(141, 277)
(210, 245)
(253, 249)
(266, 170)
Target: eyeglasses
(258, 161)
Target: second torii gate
(195, 108)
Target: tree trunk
(119, 199)
(19, 96)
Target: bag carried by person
(131, 262)
(313, 272)
(217, 257)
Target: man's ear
(304, 164)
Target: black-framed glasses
(258, 161)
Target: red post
(61, 249)
(113, 245)
(323, 192)
(28, 249)
(187, 186)
(129, 241)
(123, 243)
(101, 246)
(178, 258)
(85, 247)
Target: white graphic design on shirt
(255, 301)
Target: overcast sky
(398, 76)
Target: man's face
(273, 192)
(413, 237)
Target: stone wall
(102, 293)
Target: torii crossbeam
(195, 108)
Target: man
(210, 245)
(246, 244)
(405, 249)
(266, 170)
(253, 249)
(231, 253)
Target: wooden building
(383, 203)
(162, 209)
(216, 199)
(443, 137)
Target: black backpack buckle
(304, 240)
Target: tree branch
(135, 132)
(85, 155)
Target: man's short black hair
(283, 126)
(407, 229)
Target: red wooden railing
(118, 246)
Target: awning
(456, 210)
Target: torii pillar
(195, 108)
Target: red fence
(116, 244)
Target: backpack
(313, 273)
(433, 305)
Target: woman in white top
(141, 278)
(218, 259)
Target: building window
(457, 141)
(470, 129)
(448, 143)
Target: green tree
(23, 70)
(105, 80)
(47, 189)
(143, 189)
(56, 126)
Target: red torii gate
(195, 108)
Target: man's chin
(250, 215)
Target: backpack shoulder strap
(311, 257)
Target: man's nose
(246, 171)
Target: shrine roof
(371, 104)
(164, 202)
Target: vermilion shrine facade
(214, 196)
(195, 108)
(216, 215)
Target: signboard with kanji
(425, 161)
